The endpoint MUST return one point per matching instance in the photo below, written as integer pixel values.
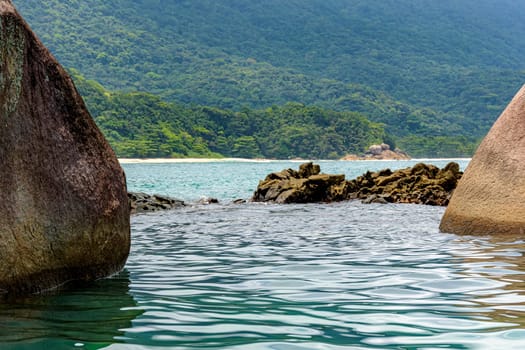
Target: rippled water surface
(284, 277)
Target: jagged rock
(303, 186)
(64, 206)
(140, 202)
(309, 169)
(490, 198)
(421, 184)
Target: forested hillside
(141, 124)
(429, 70)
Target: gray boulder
(140, 202)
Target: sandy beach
(258, 160)
(187, 160)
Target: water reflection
(260, 277)
(80, 316)
(341, 276)
(488, 288)
(500, 259)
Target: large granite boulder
(490, 198)
(64, 207)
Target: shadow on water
(80, 316)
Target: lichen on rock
(12, 43)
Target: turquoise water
(294, 277)
(229, 180)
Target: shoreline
(189, 160)
(262, 160)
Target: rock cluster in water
(64, 208)
(303, 186)
(421, 184)
(490, 198)
(140, 202)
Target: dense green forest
(436, 74)
(141, 124)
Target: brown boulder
(65, 211)
(421, 184)
(490, 198)
(304, 186)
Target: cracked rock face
(64, 211)
(490, 198)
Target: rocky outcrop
(303, 186)
(140, 202)
(421, 184)
(64, 206)
(490, 198)
(379, 152)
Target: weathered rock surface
(140, 202)
(421, 184)
(379, 152)
(64, 211)
(490, 198)
(303, 186)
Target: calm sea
(284, 277)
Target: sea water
(283, 277)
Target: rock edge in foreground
(64, 208)
(490, 198)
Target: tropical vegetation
(435, 74)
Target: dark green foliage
(438, 146)
(143, 125)
(431, 71)
(456, 62)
